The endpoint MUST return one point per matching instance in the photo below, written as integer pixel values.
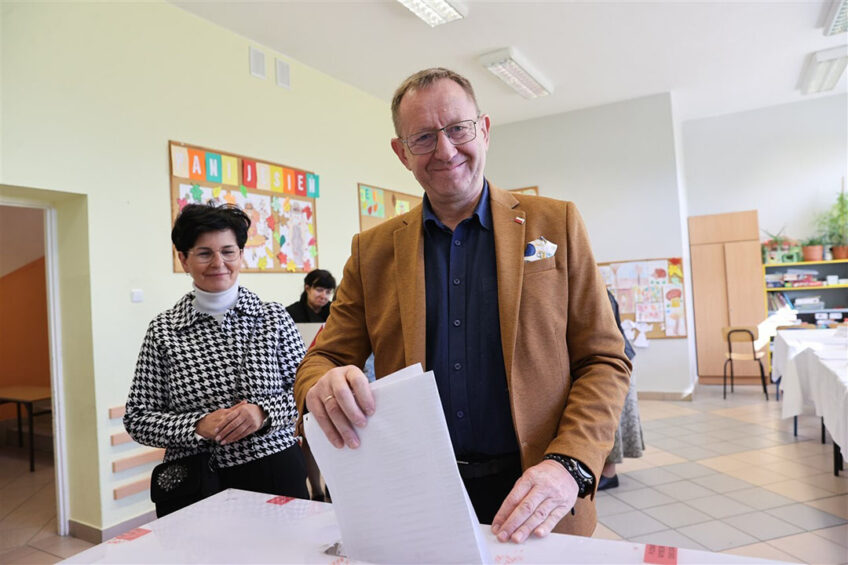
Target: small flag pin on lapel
(519, 220)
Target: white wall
(617, 163)
(787, 162)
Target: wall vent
(283, 74)
(257, 63)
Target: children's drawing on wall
(650, 297)
(675, 318)
(279, 201)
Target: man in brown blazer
(500, 296)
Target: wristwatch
(584, 479)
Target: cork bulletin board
(649, 294)
(279, 199)
(376, 205)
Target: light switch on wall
(136, 295)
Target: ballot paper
(398, 497)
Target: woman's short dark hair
(320, 277)
(196, 219)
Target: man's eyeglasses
(228, 254)
(425, 141)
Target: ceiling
(715, 57)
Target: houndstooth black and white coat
(191, 365)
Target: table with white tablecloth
(813, 368)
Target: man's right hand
(340, 401)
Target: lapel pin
(519, 220)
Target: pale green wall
(91, 93)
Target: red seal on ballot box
(279, 500)
(660, 554)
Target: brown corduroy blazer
(564, 355)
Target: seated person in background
(213, 383)
(314, 303)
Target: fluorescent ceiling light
(824, 69)
(837, 18)
(436, 12)
(509, 66)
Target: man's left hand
(541, 497)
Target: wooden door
(709, 293)
(746, 300)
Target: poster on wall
(650, 297)
(376, 205)
(279, 200)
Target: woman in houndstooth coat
(215, 373)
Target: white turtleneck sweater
(215, 304)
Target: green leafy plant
(775, 240)
(834, 222)
(813, 241)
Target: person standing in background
(314, 303)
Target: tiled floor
(729, 476)
(28, 511)
(721, 475)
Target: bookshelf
(805, 286)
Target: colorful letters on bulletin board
(279, 200)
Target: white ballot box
(236, 526)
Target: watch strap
(584, 479)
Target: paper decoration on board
(626, 300)
(607, 275)
(402, 206)
(675, 317)
(179, 161)
(653, 272)
(649, 295)
(626, 275)
(281, 236)
(675, 270)
(213, 167)
(371, 202)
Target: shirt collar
(482, 210)
(186, 315)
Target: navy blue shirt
(464, 334)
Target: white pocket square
(539, 249)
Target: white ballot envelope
(398, 497)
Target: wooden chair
(748, 336)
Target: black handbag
(178, 483)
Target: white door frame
(54, 329)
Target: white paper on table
(398, 497)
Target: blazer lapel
(409, 262)
(509, 255)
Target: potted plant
(812, 248)
(780, 248)
(773, 246)
(834, 224)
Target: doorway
(30, 348)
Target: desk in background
(26, 396)
(813, 367)
(237, 526)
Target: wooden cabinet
(727, 287)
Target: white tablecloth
(237, 526)
(813, 367)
